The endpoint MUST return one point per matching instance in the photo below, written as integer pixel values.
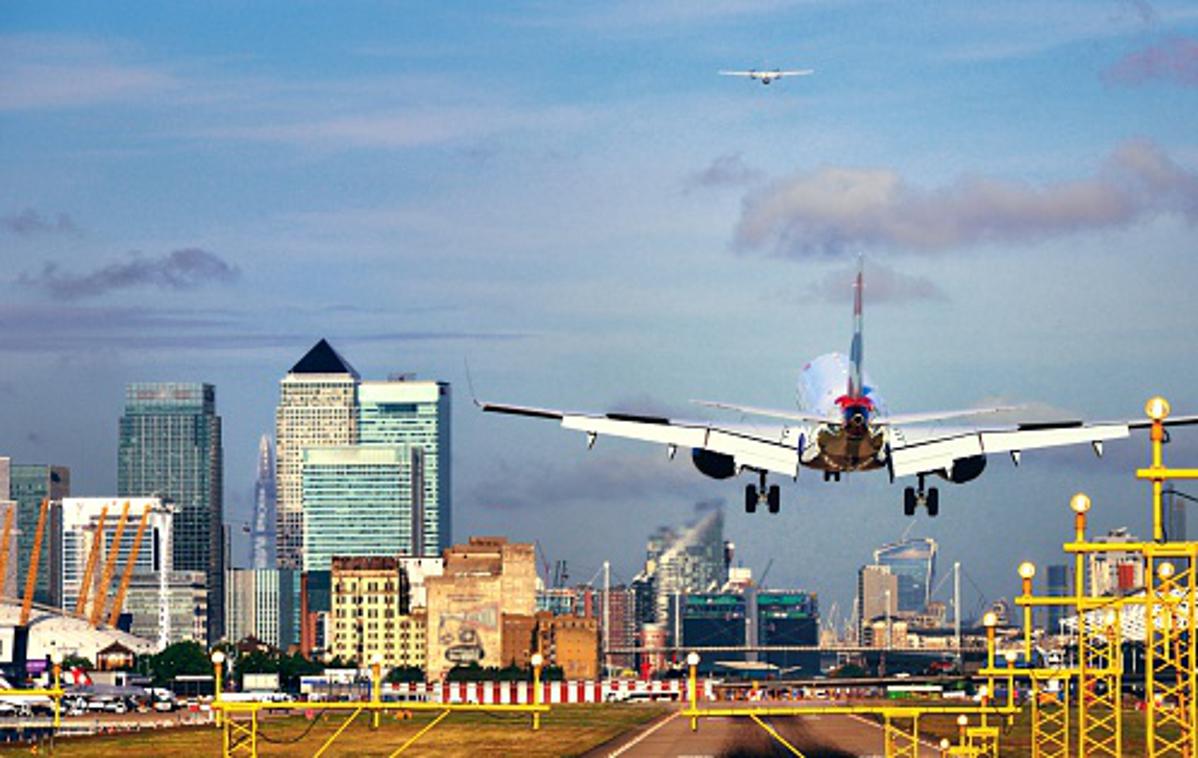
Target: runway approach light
(1157, 408)
(1080, 503)
(536, 660)
(692, 658)
(990, 620)
(218, 657)
(1165, 571)
(1027, 570)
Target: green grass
(565, 730)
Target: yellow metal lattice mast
(1169, 615)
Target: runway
(815, 736)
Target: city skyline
(582, 208)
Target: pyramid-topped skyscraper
(318, 407)
(362, 465)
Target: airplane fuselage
(855, 443)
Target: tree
(256, 662)
(292, 667)
(73, 661)
(405, 674)
(181, 658)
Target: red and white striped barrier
(506, 693)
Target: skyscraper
(1057, 586)
(263, 533)
(317, 408)
(678, 562)
(30, 485)
(356, 502)
(415, 415)
(877, 596)
(170, 447)
(325, 405)
(913, 562)
(263, 604)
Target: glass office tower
(913, 561)
(414, 415)
(30, 484)
(170, 447)
(357, 501)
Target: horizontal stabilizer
(930, 416)
(807, 418)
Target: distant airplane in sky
(765, 77)
(841, 426)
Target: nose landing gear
(914, 497)
(771, 496)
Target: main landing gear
(771, 496)
(914, 497)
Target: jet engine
(715, 465)
(964, 469)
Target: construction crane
(127, 577)
(4, 548)
(109, 567)
(90, 569)
(764, 574)
(34, 557)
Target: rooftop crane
(127, 577)
(109, 567)
(34, 557)
(4, 548)
(90, 569)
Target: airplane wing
(773, 448)
(915, 450)
(799, 72)
(737, 73)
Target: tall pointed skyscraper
(263, 535)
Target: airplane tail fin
(856, 381)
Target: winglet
(470, 383)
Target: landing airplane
(765, 77)
(841, 426)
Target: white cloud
(828, 210)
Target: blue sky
(568, 196)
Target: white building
(151, 575)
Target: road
(814, 736)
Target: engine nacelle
(964, 469)
(715, 465)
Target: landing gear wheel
(909, 501)
(750, 498)
(933, 502)
(774, 498)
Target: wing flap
(930, 453)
